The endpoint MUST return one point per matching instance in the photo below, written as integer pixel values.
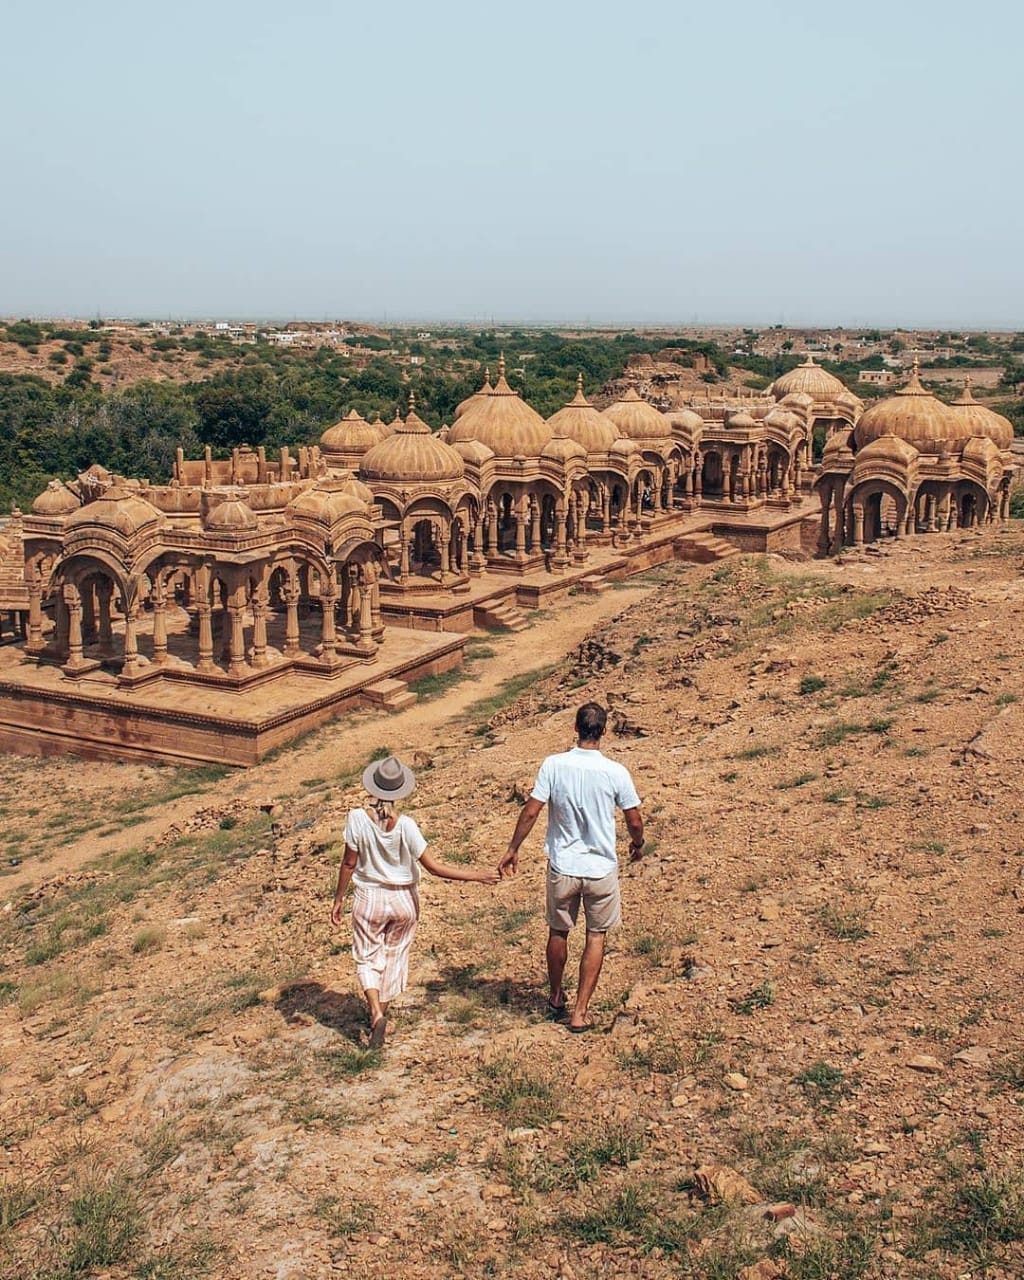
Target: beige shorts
(600, 900)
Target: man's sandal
(377, 1032)
(557, 1012)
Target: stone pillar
(534, 525)
(479, 559)
(858, 524)
(205, 650)
(580, 551)
(376, 622)
(698, 478)
(365, 618)
(560, 518)
(521, 513)
(73, 603)
(131, 639)
(89, 612)
(35, 606)
(104, 594)
(259, 626)
(606, 508)
(444, 549)
(492, 528)
(291, 625)
(237, 665)
(61, 627)
(159, 598)
(328, 634)
(798, 479)
(403, 552)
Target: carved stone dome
(809, 379)
(638, 420)
(469, 401)
(120, 510)
(412, 453)
(352, 435)
(982, 420)
(888, 449)
(686, 419)
(55, 500)
(741, 420)
(917, 417)
(583, 423)
(563, 448)
(503, 422)
(234, 515)
(328, 502)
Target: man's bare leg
(557, 954)
(590, 970)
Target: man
(583, 787)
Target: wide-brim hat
(389, 779)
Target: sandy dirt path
(347, 743)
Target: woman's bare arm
(482, 875)
(348, 865)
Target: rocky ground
(809, 1059)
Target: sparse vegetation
(523, 1095)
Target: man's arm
(528, 815)
(635, 827)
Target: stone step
(389, 695)
(703, 548)
(504, 617)
(594, 585)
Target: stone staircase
(703, 548)
(389, 695)
(594, 585)
(499, 617)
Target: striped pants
(383, 927)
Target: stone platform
(43, 713)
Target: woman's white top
(385, 857)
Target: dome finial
(579, 383)
(412, 401)
(487, 375)
(501, 365)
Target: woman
(384, 851)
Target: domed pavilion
(914, 465)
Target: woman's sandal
(558, 1012)
(378, 1031)
(578, 1031)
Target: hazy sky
(762, 161)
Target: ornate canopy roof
(352, 435)
(917, 417)
(502, 421)
(485, 390)
(982, 420)
(55, 500)
(810, 379)
(120, 510)
(234, 515)
(582, 422)
(412, 453)
(635, 418)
